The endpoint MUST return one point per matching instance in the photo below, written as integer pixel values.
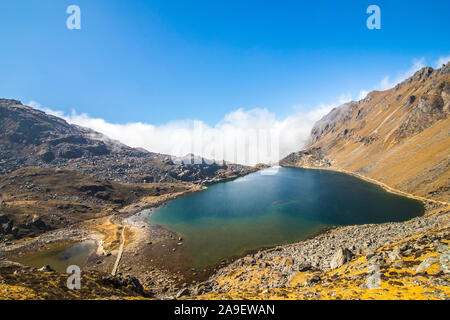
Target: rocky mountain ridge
(399, 137)
(29, 137)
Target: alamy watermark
(374, 280)
(73, 22)
(74, 279)
(236, 145)
(374, 20)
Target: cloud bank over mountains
(242, 136)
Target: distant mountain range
(400, 137)
(29, 137)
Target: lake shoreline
(373, 181)
(297, 267)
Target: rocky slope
(24, 283)
(389, 261)
(29, 137)
(399, 137)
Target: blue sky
(158, 74)
(156, 61)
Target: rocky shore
(276, 272)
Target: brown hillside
(37, 200)
(400, 137)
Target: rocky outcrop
(399, 137)
(312, 157)
(124, 282)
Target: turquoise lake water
(261, 210)
(61, 256)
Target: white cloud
(442, 60)
(387, 82)
(37, 105)
(34, 104)
(256, 130)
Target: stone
(394, 255)
(46, 268)
(262, 265)
(120, 281)
(428, 262)
(341, 257)
(377, 260)
(444, 260)
(304, 267)
(183, 292)
(313, 280)
(288, 262)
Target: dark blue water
(262, 210)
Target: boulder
(394, 255)
(444, 260)
(312, 281)
(46, 268)
(341, 257)
(305, 267)
(121, 282)
(183, 292)
(426, 263)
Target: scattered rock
(183, 292)
(444, 260)
(313, 280)
(46, 268)
(428, 262)
(341, 257)
(394, 255)
(304, 267)
(119, 281)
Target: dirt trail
(119, 254)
